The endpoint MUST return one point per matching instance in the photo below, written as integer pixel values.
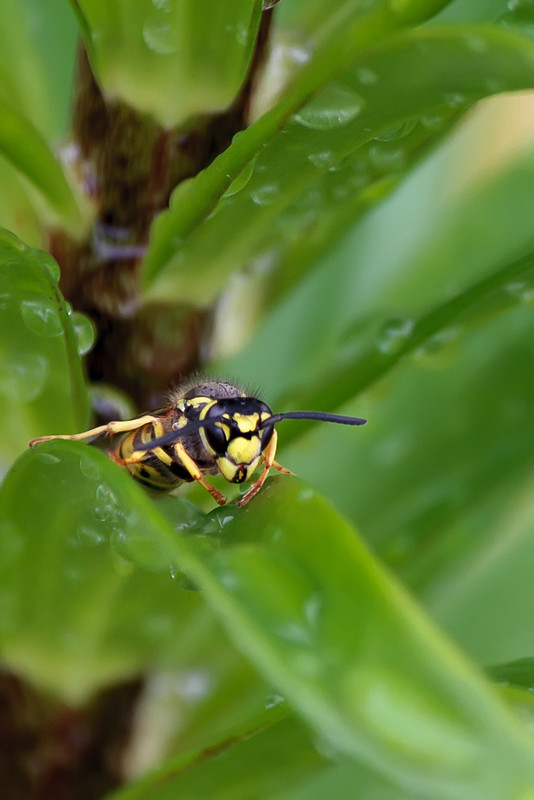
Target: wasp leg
(268, 457)
(139, 455)
(116, 426)
(279, 468)
(195, 473)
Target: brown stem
(129, 167)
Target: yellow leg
(268, 457)
(195, 473)
(140, 455)
(116, 426)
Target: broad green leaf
(489, 578)
(174, 59)
(22, 146)
(294, 588)
(312, 180)
(440, 481)
(258, 765)
(516, 673)
(23, 82)
(41, 380)
(76, 614)
(351, 28)
(398, 337)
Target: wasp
(208, 428)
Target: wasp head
(236, 434)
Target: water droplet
(455, 99)
(476, 43)
(47, 458)
(440, 350)
(295, 632)
(159, 37)
(274, 700)
(366, 76)
(521, 291)
(494, 85)
(326, 748)
(393, 335)
(89, 537)
(41, 316)
(397, 131)
(5, 301)
(50, 265)
(330, 108)
(326, 158)
(22, 377)
(72, 573)
(305, 495)
(433, 122)
(387, 159)
(106, 508)
(265, 195)
(241, 180)
(84, 331)
(89, 468)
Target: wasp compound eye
(216, 438)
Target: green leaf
(174, 59)
(312, 180)
(257, 765)
(88, 596)
(350, 30)
(76, 614)
(22, 146)
(41, 379)
(23, 81)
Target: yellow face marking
(229, 470)
(246, 422)
(244, 451)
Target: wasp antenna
(339, 419)
(175, 435)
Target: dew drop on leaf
(50, 265)
(265, 195)
(22, 377)
(41, 317)
(387, 159)
(241, 180)
(455, 99)
(84, 331)
(397, 131)
(366, 76)
(394, 334)
(432, 122)
(89, 537)
(158, 37)
(325, 158)
(330, 108)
